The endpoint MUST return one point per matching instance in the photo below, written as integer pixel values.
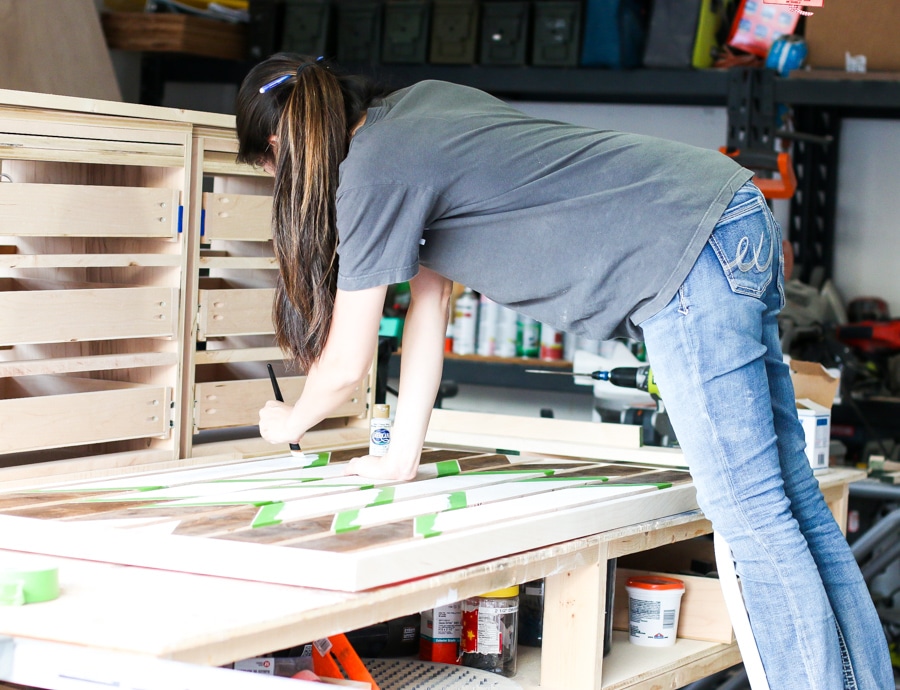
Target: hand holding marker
(295, 447)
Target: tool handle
(279, 397)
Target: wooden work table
(150, 620)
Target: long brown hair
(310, 107)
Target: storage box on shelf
(232, 276)
(91, 284)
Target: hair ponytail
(310, 109)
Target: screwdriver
(640, 378)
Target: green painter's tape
(267, 515)
(343, 521)
(424, 526)
(321, 460)
(457, 500)
(385, 496)
(19, 587)
(447, 468)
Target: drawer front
(237, 403)
(54, 316)
(237, 217)
(76, 418)
(239, 311)
(59, 210)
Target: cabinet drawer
(35, 315)
(222, 404)
(234, 311)
(61, 210)
(237, 217)
(39, 412)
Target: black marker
(295, 447)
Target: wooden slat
(89, 260)
(62, 210)
(98, 413)
(237, 403)
(237, 217)
(73, 151)
(249, 354)
(90, 129)
(65, 365)
(52, 316)
(239, 311)
(238, 262)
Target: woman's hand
(274, 423)
(381, 467)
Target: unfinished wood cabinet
(232, 273)
(92, 265)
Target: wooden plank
(55, 47)
(68, 365)
(238, 217)
(222, 404)
(236, 311)
(51, 316)
(59, 210)
(90, 261)
(175, 33)
(88, 129)
(41, 148)
(103, 411)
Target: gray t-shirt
(588, 231)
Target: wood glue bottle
(380, 430)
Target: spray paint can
(380, 430)
(488, 314)
(551, 343)
(507, 333)
(529, 337)
(465, 323)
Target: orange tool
(336, 652)
(782, 187)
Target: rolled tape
(31, 586)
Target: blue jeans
(716, 357)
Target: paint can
(507, 332)
(551, 343)
(439, 634)
(529, 337)
(488, 638)
(488, 316)
(465, 323)
(654, 602)
(380, 430)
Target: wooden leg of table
(572, 639)
(838, 499)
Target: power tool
(640, 378)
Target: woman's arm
(420, 377)
(345, 359)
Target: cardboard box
(858, 27)
(814, 389)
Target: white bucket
(653, 606)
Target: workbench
(143, 627)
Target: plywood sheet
(304, 522)
(55, 47)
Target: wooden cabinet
(92, 265)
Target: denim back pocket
(747, 242)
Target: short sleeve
(380, 227)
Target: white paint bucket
(653, 606)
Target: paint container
(507, 332)
(380, 430)
(529, 337)
(551, 343)
(488, 317)
(488, 639)
(653, 606)
(439, 634)
(465, 323)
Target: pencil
(295, 447)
